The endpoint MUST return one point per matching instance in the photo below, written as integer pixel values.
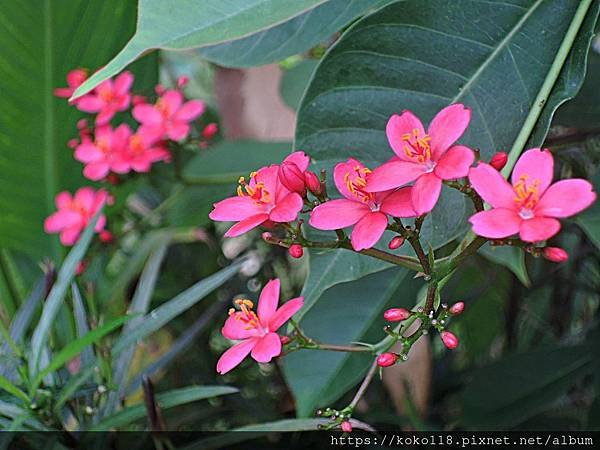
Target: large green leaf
(290, 38)
(41, 41)
(181, 24)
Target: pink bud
(267, 236)
(346, 426)
(284, 340)
(81, 124)
(210, 130)
(457, 308)
(387, 359)
(498, 161)
(106, 237)
(292, 177)
(396, 242)
(555, 254)
(72, 143)
(296, 251)
(81, 266)
(113, 179)
(138, 100)
(449, 340)
(159, 89)
(312, 182)
(396, 314)
(182, 81)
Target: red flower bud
(457, 308)
(284, 340)
(106, 236)
(159, 89)
(296, 251)
(113, 179)
(210, 130)
(138, 100)
(292, 178)
(346, 426)
(182, 81)
(387, 359)
(81, 266)
(396, 242)
(555, 254)
(396, 314)
(72, 143)
(81, 124)
(449, 340)
(313, 183)
(498, 161)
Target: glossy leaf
(513, 258)
(295, 80)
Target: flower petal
(538, 166)
(246, 225)
(178, 130)
(300, 159)
(89, 104)
(400, 125)
(61, 220)
(447, 127)
(495, 223)
(69, 236)
(63, 199)
(147, 114)
(266, 348)
(269, 177)
(287, 209)
(88, 152)
(268, 300)
(235, 355)
(86, 197)
(426, 192)
(399, 203)
(234, 209)
(538, 229)
(172, 100)
(566, 198)
(189, 111)
(345, 172)
(236, 329)
(455, 163)
(393, 174)
(337, 214)
(283, 314)
(491, 186)
(368, 231)
(96, 171)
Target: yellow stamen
(527, 194)
(416, 146)
(357, 183)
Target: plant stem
(364, 385)
(342, 348)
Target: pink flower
(365, 210)
(425, 158)
(169, 117)
(531, 205)
(74, 214)
(292, 170)
(257, 331)
(108, 98)
(259, 200)
(75, 78)
(104, 153)
(141, 152)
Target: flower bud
(138, 100)
(82, 123)
(113, 179)
(457, 308)
(498, 161)
(449, 340)
(267, 236)
(555, 254)
(106, 236)
(296, 251)
(292, 177)
(81, 266)
(284, 340)
(182, 81)
(210, 130)
(346, 426)
(396, 314)
(72, 143)
(313, 183)
(396, 242)
(159, 89)
(387, 359)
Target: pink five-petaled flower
(365, 210)
(74, 214)
(108, 98)
(425, 158)
(141, 152)
(74, 79)
(169, 117)
(104, 153)
(263, 198)
(531, 205)
(257, 331)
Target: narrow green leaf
(81, 323)
(165, 400)
(12, 389)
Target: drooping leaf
(41, 42)
(513, 258)
(181, 24)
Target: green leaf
(81, 324)
(48, 39)
(290, 38)
(295, 80)
(74, 348)
(513, 258)
(521, 395)
(346, 313)
(227, 161)
(165, 400)
(6, 384)
(183, 24)
(590, 222)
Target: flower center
(256, 192)
(106, 95)
(356, 181)
(162, 108)
(103, 145)
(416, 146)
(136, 144)
(245, 314)
(527, 196)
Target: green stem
(11, 343)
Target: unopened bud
(210, 130)
(138, 100)
(296, 251)
(449, 339)
(396, 314)
(313, 183)
(498, 161)
(113, 179)
(81, 124)
(457, 308)
(267, 236)
(346, 426)
(387, 359)
(106, 237)
(81, 266)
(73, 143)
(284, 340)
(555, 254)
(182, 81)
(292, 177)
(396, 242)
(159, 89)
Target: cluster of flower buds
(296, 177)
(339, 419)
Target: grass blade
(87, 354)
(12, 389)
